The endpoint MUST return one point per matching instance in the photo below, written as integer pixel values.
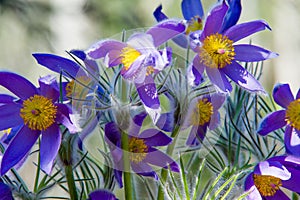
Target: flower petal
(10, 116)
(282, 95)
(191, 8)
(112, 133)
(158, 14)
(49, 146)
(57, 64)
(242, 77)
(63, 117)
(158, 158)
(214, 20)
(103, 47)
(292, 183)
(5, 192)
(148, 94)
(5, 98)
(18, 85)
(144, 169)
(154, 137)
(292, 141)
(166, 121)
(18, 148)
(271, 122)
(251, 188)
(273, 168)
(165, 30)
(232, 15)
(219, 79)
(298, 94)
(251, 53)
(101, 194)
(240, 31)
(49, 87)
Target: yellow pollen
(38, 112)
(267, 185)
(202, 112)
(217, 51)
(292, 115)
(194, 24)
(7, 131)
(149, 70)
(129, 55)
(77, 89)
(138, 150)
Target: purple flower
(142, 151)
(269, 176)
(289, 116)
(192, 11)
(218, 56)
(38, 113)
(202, 114)
(5, 192)
(140, 59)
(102, 194)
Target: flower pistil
(129, 55)
(202, 112)
(138, 150)
(217, 51)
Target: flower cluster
(150, 108)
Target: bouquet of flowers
(174, 111)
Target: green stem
(164, 172)
(127, 175)
(71, 182)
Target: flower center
(217, 51)
(38, 112)
(77, 89)
(267, 185)
(138, 150)
(129, 55)
(194, 24)
(202, 112)
(149, 70)
(292, 115)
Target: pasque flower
(102, 194)
(142, 151)
(289, 116)
(202, 114)
(140, 59)
(192, 11)
(218, 55)
(38, 113)
(268, 177)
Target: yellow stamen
(38, 112)
(138, 150)
(7, 131)
(149, 70)
(292, 115)
(194, 24)
(202, 112)
(217, 51)
(129, 55)
(267, 185)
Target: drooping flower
(218, 55)
(102, 194)
(140, 59)
(268, 177)
(142, 151)
(202, 114)
(38, 113)
(289, 116)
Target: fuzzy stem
(127, 175)
(164, 172)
